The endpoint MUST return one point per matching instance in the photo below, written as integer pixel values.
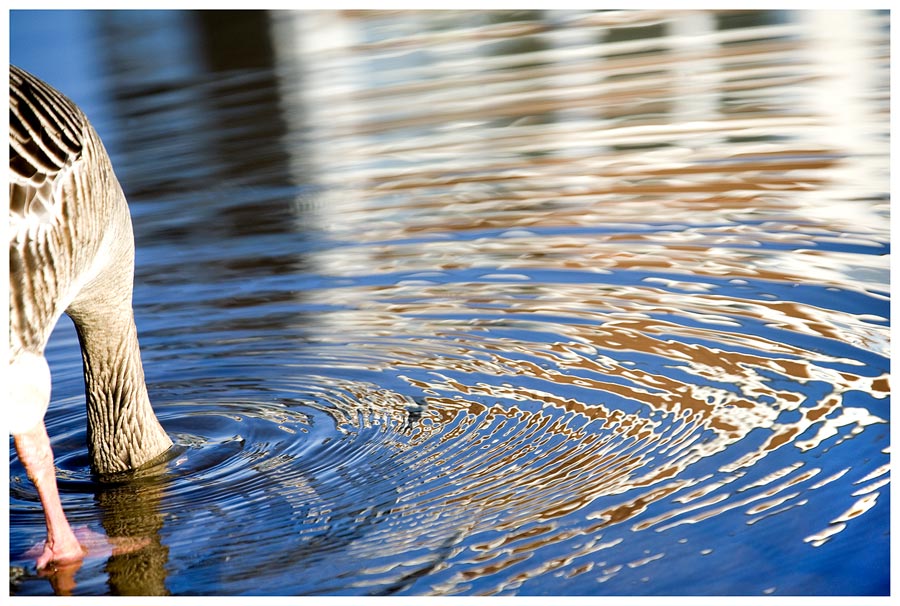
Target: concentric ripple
(497, 307)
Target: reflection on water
(493, 303)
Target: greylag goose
(71, 248)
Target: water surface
(495, 303)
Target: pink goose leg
(34, 451)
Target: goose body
(71, 250)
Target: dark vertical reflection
(225, 91)
(249, 143)
(234, 39)
(132, 512)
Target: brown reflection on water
(582, 229)
(517, 466)
(574, 241)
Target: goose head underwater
(71, 249)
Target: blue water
(421, 320)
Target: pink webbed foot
(89, 544)
(57, 552)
